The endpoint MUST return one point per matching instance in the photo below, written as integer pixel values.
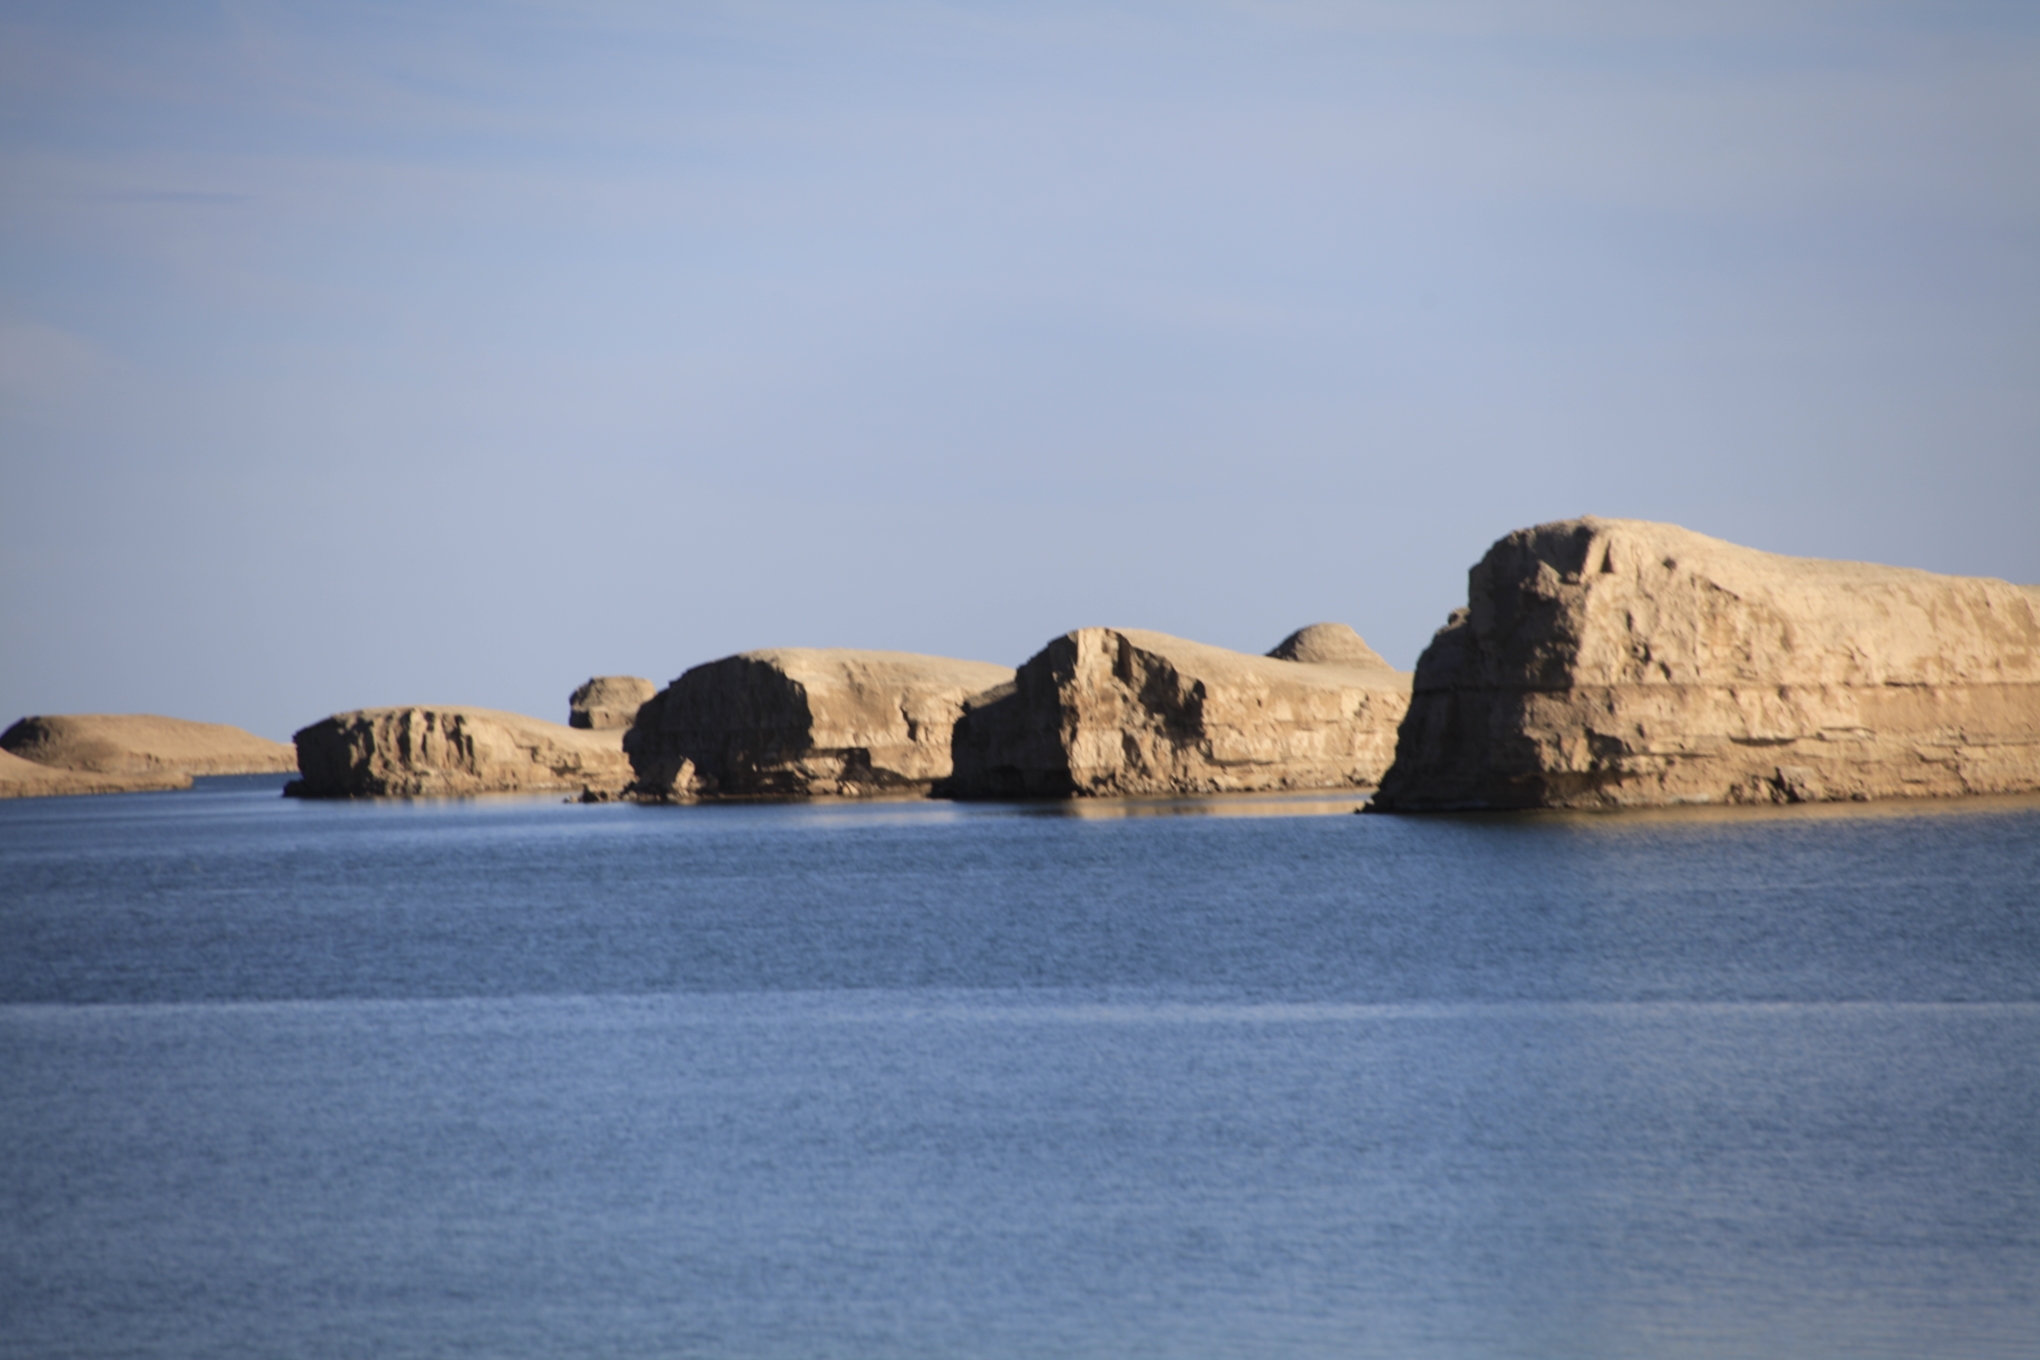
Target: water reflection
(1316, 803)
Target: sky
(361, 354)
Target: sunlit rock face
(1622, 663)
(1328, 644)
(1103, 711)
(797, 722)
(608, 701)
(427, 751)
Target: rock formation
(26, 779)
(426, 752)
(1328, 644)
(1118, 711)
(1620, 663)
(140, 750)
(797, 721)
(608, 701)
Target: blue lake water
(518, 1078)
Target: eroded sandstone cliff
(1617, 663)
(426, 752)
(1122, 711)
(797, 722)
(608, 701)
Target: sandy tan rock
(608, 701)
(1616, 663)
(1328, 644)
(437, 752)
(798, 721)
(143, 744)
(1121, 711)
(26, 779)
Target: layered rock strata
(437, 752)
(1621, 663)
(122, 751)
(799, 722)
(608, 701)
(1104, 711)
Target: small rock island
(795, 722)
(1105, 711)
(1608, 663)
(424, 751)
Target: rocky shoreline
(1597, 663)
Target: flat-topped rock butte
(437, 751)
(126, 753)
(1624, 663)
(1111, 711)
(802, 721)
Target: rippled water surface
(517, 1078)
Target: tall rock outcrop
(1621, 663)
(608, 701)
(143, 745)
(1121, 711)
(435, 752)
(799, 721)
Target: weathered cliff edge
(1104, 711)
(1621, 663)
(798, 721)
(128, 752)
(608, 701)
(439, 752)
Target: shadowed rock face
(608, 701)
(143, 745)
(425, 752)
(797, 722)
(1122, 711)
(1618, 663)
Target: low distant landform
(1597, 663)
(127, 753)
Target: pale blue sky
(362, 354)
